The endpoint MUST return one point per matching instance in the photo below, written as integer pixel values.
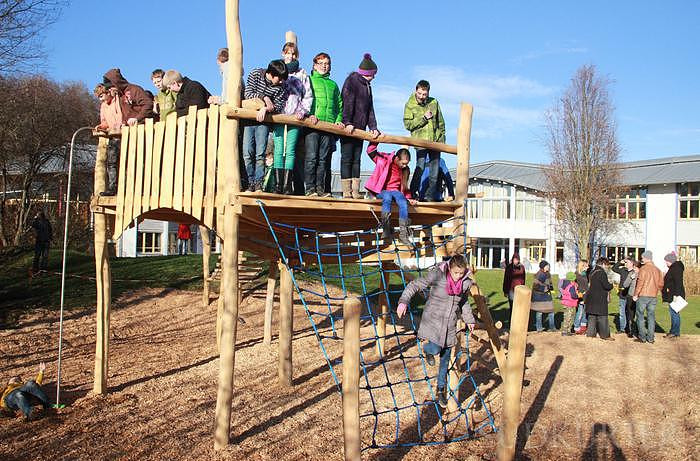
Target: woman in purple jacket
(358, 112)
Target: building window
(148, 243)
(560, 251)
(631, 205)
(528, 207)
(689, 200)
(689, 254)
(494, 202)
(536, 250)
(617, 253)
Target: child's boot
(442, 397)
(387, 230)
(347, 187)
(279, 180)
(404, 232)
(356, 188)
(288, 182)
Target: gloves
(401, 309)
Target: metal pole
(63, 270)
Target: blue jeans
(434, 165)
(182, 246)
(318, 149)
(445, 354)
(21, 398)
(538, 321)
(623, 314)
(254, 147)
(648, 304)
(675, 322)
(387, 196)
(580, 318)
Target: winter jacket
(582, 282)
(111, 116)
(358, 108)
(439, 320)
(673, 282)
(377, 180)
(414, 120)
(630, 283)
(444, 177)
(569, 293)
(14, 386)
(165, 99)
(327, 104)
(299, 95)
(133, 100)
(542, 287)
(43, 230)
(597, 295)
(513, 276)
(650, 281)
(192, 93)
(183, 232)
(258, 86)
(619, 268)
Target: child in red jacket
(389, 182)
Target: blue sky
(510, 59)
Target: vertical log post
(513, 375)
(269, 302)
(462, 184)
(206, 253)
(229, 279)
(284, 368)
(103, 278)
(383, 312)
(351, 378)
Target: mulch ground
(584, 398)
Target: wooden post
(384, 311)
(269, 302)
(351, 378)
(290, 36)
(487, 321)
(513, 375)
(455, 372)
(206, 253)
(229, 278)
(284, 368)
(103, 278)
(462, 184)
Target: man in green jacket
(164, 101)
(423, 118)
(327, 106)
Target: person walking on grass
(542, 297)
(513, 276)
(183, 239)
(580, 320)
(630, 285)
(622, 268)
(19, 396)
(43, 235)
(449, 285)
(569, 299)
(597, 298)
(673, 286)
(649, 282)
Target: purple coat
(358, 109)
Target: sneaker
(108, 193)
(325, 194)
(639, 340)
(311, 193)
(430, 358)
(609, 338)
(674, 336)
(566, 333)
(442, 397)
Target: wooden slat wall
(174, 164)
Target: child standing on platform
(389, 182)
(449, 285)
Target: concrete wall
(662, 218)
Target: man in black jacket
(597, 301)
(673, 286)
(43, 236)
(622, 268)
(189, 92)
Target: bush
(691, 280)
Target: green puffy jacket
(414, 121)
(328, 104)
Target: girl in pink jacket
(389, 182)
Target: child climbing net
(399, 402)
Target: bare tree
(584, 174)
(37, 120)
(22, 23)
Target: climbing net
(398, 390)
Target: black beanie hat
(543, 263)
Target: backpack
(569, 295)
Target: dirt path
(586, 399)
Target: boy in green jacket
(327, 107)
(423, 118)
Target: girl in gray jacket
(449, 284)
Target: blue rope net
(398, 391)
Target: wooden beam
(352, 308)
(269, 302)
(286, 326)
(487, 320)
(513, 374)
(250, 114)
